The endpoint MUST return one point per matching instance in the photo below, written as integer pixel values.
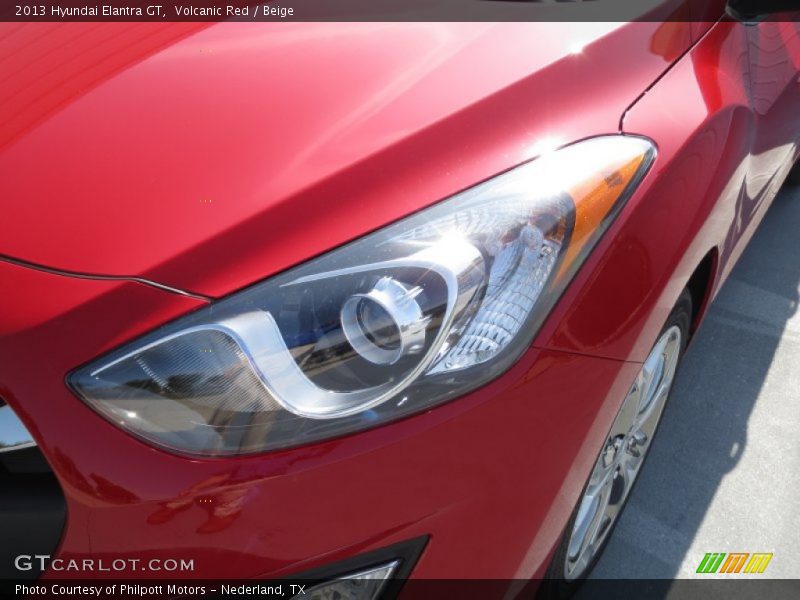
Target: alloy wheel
(623, 454)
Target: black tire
(554, 584)
(794, 175)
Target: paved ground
(724, 473)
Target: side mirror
(754, 10)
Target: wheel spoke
(591, 516)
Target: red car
(361, 302)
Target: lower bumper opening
(32, 511)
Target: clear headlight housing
(389, 325)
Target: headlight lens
(394, 323)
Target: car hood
(206, 157)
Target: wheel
(620, 460)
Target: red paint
(723, 151)
(211, 161)
(209, 148)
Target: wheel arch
(701, 286)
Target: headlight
(394, 323)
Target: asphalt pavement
(724, 470)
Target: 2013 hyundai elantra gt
(385, 300)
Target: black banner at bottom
(711, 588)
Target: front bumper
(489, 479)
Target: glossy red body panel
(213, 162)
(723, 152)
(210, 147)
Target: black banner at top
(394, 10)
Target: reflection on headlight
(391, 324)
